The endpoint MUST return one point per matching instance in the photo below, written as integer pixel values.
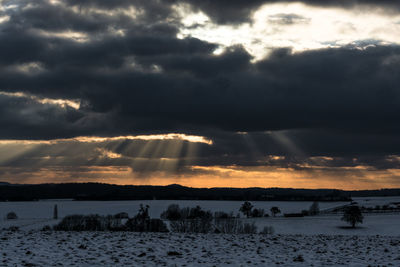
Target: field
(151, 249)
(44, 209)
(306, 241)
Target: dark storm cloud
(341, 102)
(20, 114)
(180, 84)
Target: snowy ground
(374, 224)
(44, 209)
(307, 241)
(35, 248)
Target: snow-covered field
(35, 215)
(307, 241)
(152, 249)
(374, 224)
(44, 209)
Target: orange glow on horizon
(235, 177)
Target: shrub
(228, 226)
(223, 215)
(298, 258)
(249, 228)
(198, 225)
(142, 222)
(12, 216)
(46, 228)
(146, 225)
(234, 226)
(143, 212)
(198, 213)
(12, 228)
(314, 208)
(121, 215)
(172, 213)
(305, 212)
(188, 220)
(257, 213)
(268, 230)
(274, 211)
(82, 223)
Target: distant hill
(98, 191)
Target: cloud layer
(121, 68)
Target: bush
(203, 225)
(12, 228)
(89, 223)
(257, 213)
(121, 215)
(12, 216)
(223, 215)
(188, 220)
(228, 226)
(83, 223)
(268, 230)
(46, 228)
(305, 212)
(274, 211)
(172, 213)
(142, 222)
(234, 226)
(249, 228)
(314, 208)
(146, 225)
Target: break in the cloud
(240, 93)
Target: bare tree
(314, 208)
(274, 211)
(353, 215)
(246, 208)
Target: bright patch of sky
(75, 104)
(297, 26)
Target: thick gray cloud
(342, 102)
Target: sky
(227, 93)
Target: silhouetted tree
(314, 208)
(353, 215)
(246, 208)
(143, 212)
(142, 222)
(274, 211)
